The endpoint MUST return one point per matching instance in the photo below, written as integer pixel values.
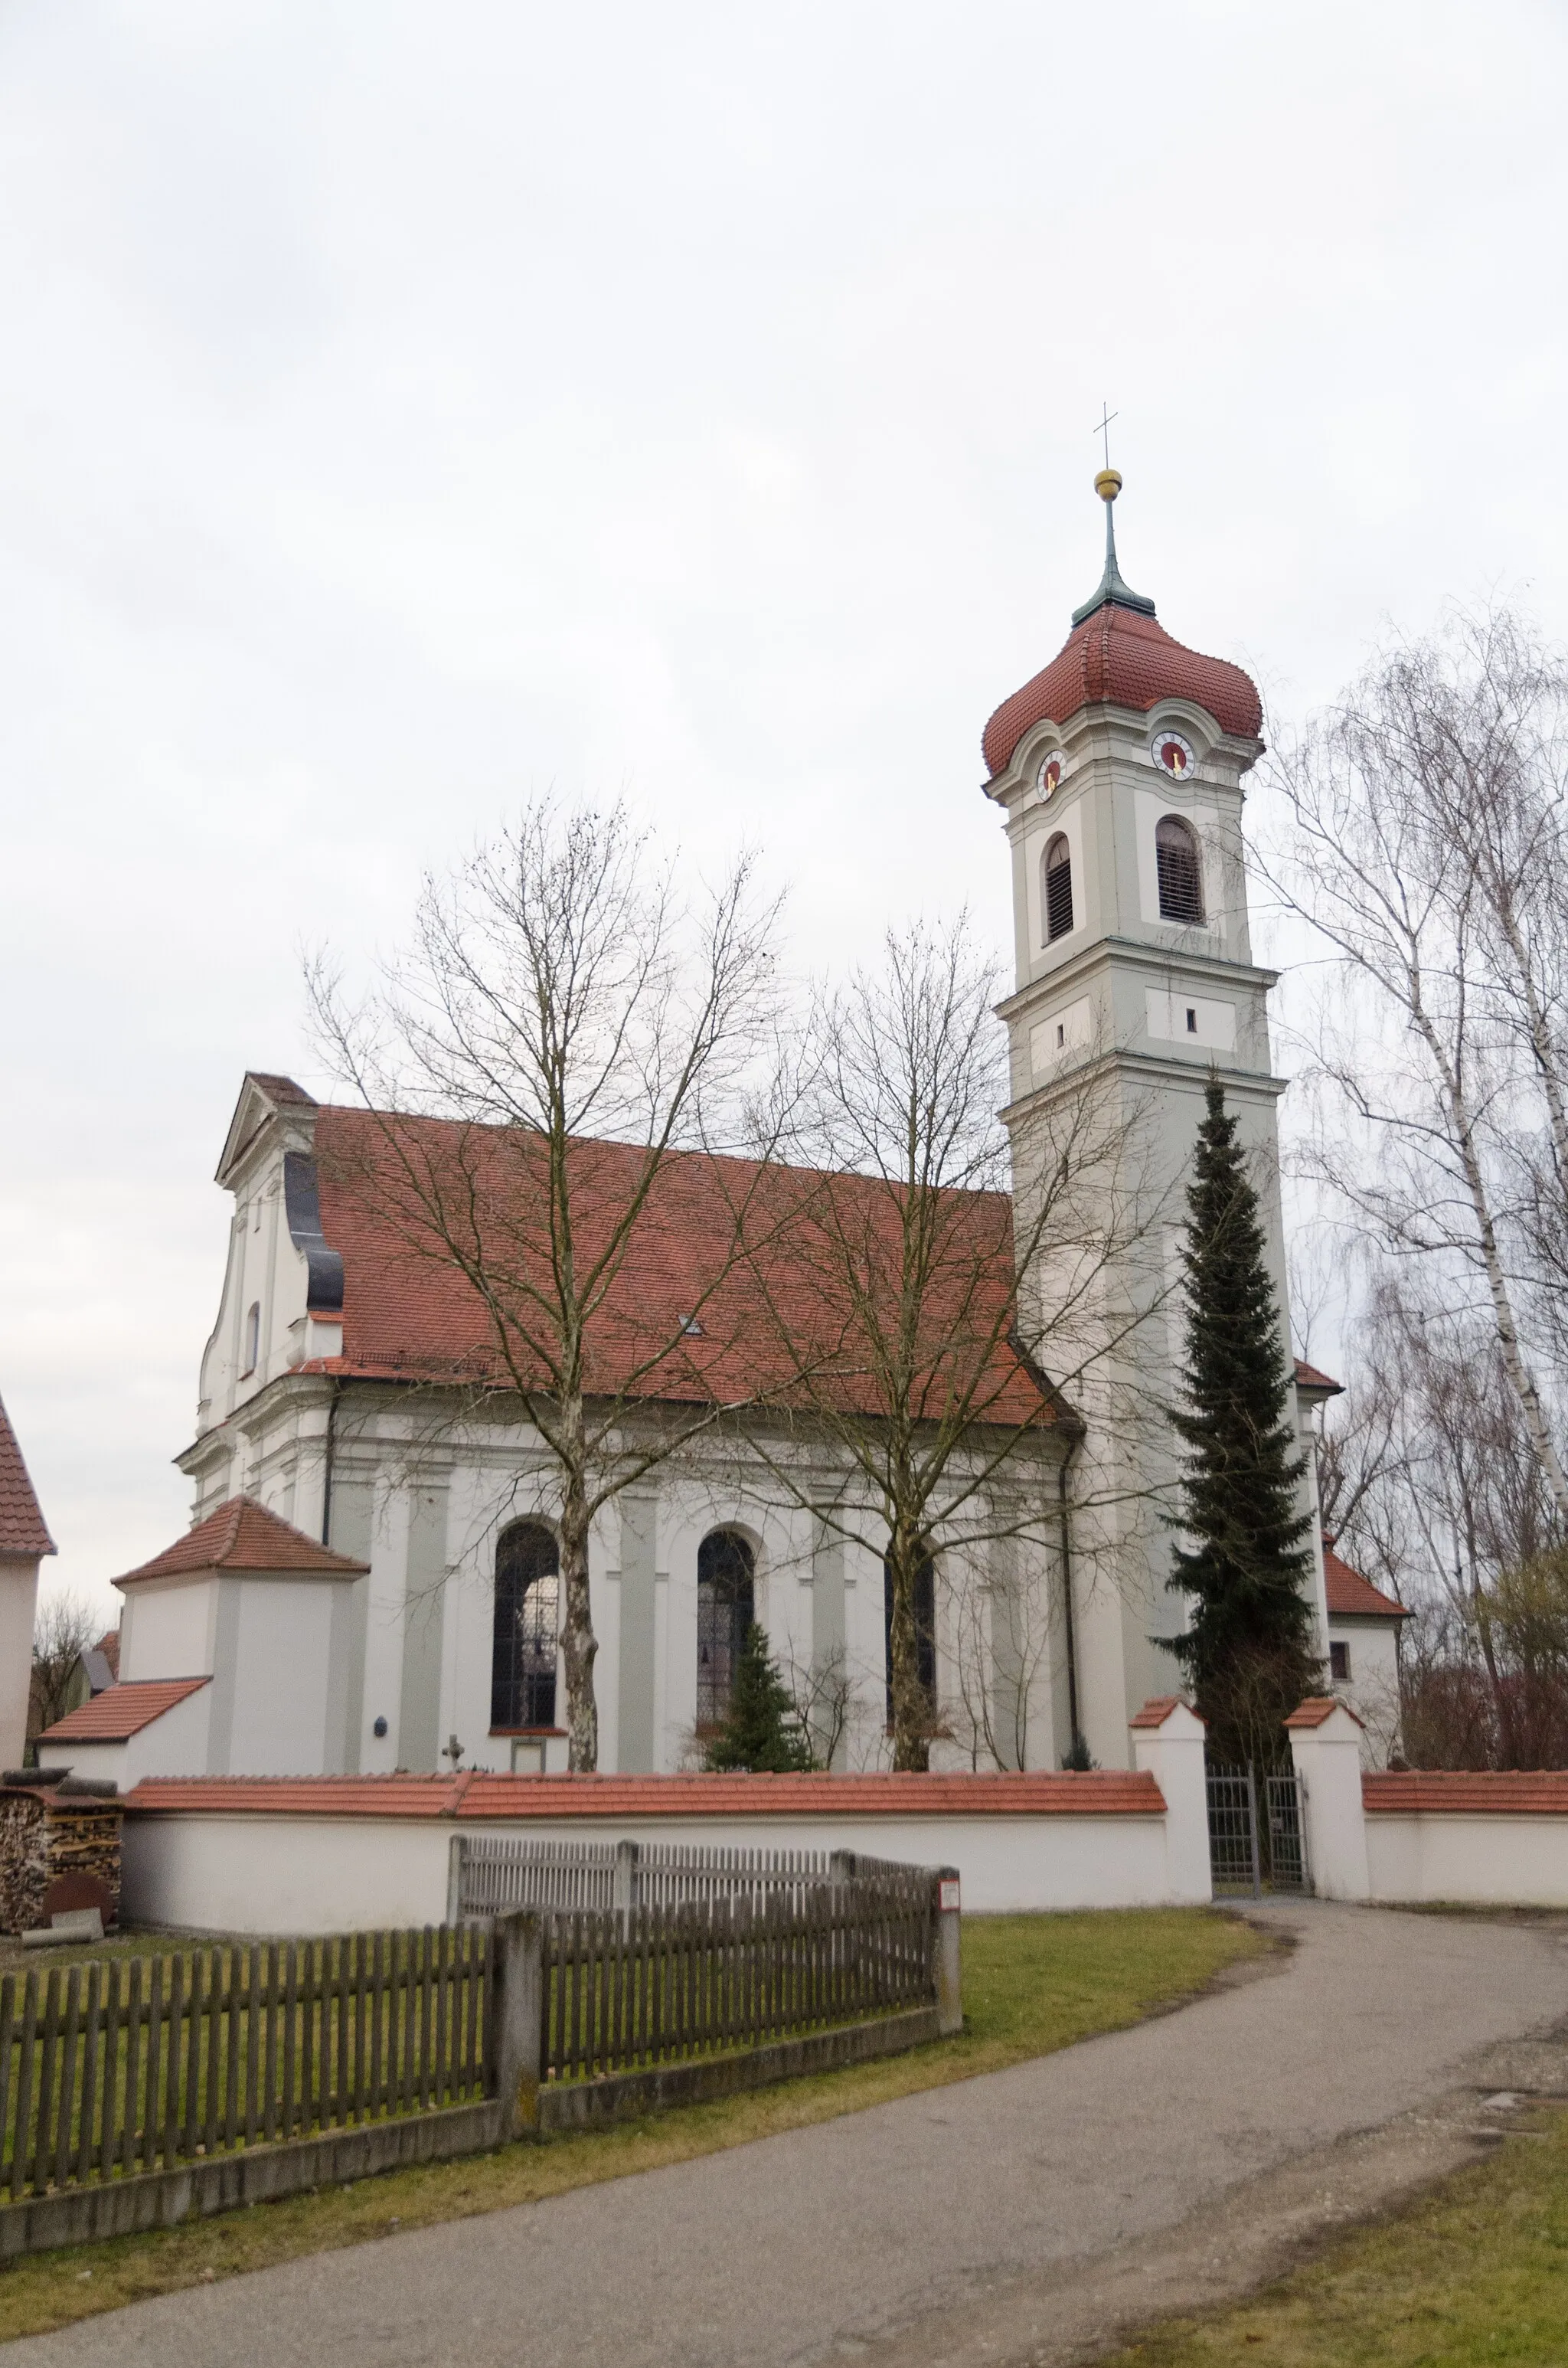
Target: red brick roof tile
(1352, 1596)
(1102, 1792)
(121, 1710)
(1308, 1378)
(1157, 1709)
(410, 1314)
(1128, 659)
(242, 1535)
(1494, 1792)
(23, 1536)
(1317, 1709)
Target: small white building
(233, 1657)
(1363, 1652)
(24, 1542)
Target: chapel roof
(1119, 653)
(242, 1535)
(408, 1314)
(1351, 1595)
(121, 1711)
(23, 1533)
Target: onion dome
(1117, 652)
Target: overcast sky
(401, 408)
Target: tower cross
(1102, 428)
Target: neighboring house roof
(410, 1313)
(23, 1536)
(1102, 1792)
(242, 1535)
(1351, 1595)
(108, 1645)
(122, 1711)
(1119, 656)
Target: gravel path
(915, 2216)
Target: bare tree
(900, 1298)
(1426, 845)
(65, 1626)
(561, 1026)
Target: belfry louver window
(1058, 888)
(1181, 880)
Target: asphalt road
(804, 2248)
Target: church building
(370, 1583)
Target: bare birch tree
(561, 1025)
(1426, 845)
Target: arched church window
(726, 1606)
(1057, 872)
(253, 1336)
(925, 1627)
(1181, 876)
(527, 1621)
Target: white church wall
(282, 1647)
(168, 1629)
(382, 1684)
(19, 1597)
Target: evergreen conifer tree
(762, 1733)
(1247, 1654)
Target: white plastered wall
(168, 1628)
(18, 1601)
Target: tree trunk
(911, 1704)
(578, 1641)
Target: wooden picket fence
(628, 1988)
(491, 1873)
(131, 2065)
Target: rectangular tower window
(1339, 1661)
(1191, 1020)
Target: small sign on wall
(948, 1894)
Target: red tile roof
(1501, 1793)
(1351, 1596)
(1103, 1793)
(409, 1311)
(121, 1710)
(242, 1535)
(1308, 1378)
(23, 1536)
(1157, 1709)
(1318, 1708)
(1119, 656)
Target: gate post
(947, 1953)
(623, 1879)
(518, 2010)
(1326, 1746)
(1167, 1742)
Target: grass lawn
(1031, 1984)
(1478, 2272)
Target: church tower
(1120, 769)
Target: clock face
(1048, 780)
(1174, 754)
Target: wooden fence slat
(59, 2147)
(7, 2043)
(19, 2160)
(88, 2111)
(152, 2089)
(231, 2051)
(253, 2040)
(215, 1991)
(44, 2129)
(200, 1998)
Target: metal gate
(1256, 1839)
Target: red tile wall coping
(1316, 1708)
(1157, 1709)
(1498, 1793)
(1099, 1793)
(121, 1711)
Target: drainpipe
(1069, 1622)
(327, 1473)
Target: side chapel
(342, 1605)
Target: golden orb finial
(1107, 485)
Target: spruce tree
(763, 1733)
(1247, 1654)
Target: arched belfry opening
(527, 1623)
(1180, 871)
(1056, 887)
(726, 1606)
